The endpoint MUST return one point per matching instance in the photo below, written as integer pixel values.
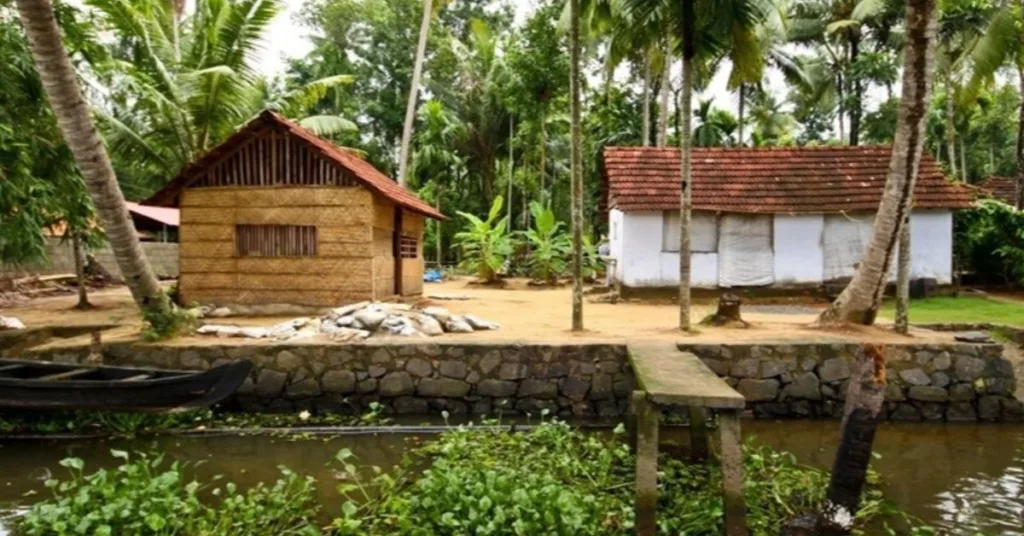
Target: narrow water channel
(963, 478)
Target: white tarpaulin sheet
(745, 256)
(846, 237)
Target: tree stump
(728, 313)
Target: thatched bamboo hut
(278, 215)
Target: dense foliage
(557, 480)
(146, 496)
(989, 242)
(169, 83)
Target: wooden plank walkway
(668, 377)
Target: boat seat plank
(136, 378)
(66, 374)
(8, 368)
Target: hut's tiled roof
(361, 170)
(1001, 188)
(768, 180)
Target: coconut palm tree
(75, 121)
(430, 8)
(171, 99)
(860, 300)
(707, 30)
(716, 126)
(1001, 45)
(841, 28)
(577, 162)
(436, 159)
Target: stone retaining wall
(568, 380)
(954, 382)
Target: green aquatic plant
(557, 480)
(145, 496)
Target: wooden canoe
(40, 385)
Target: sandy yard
(525, 314)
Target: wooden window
(275, 241)
(409, 247)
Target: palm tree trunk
(79, 254)
(437, 223)
(576, 163)
(511, 166)
(858, 98)
(76, 125)
(685, 142)
(742, 109)
(950, 127)
(543, 152)
(1020, 146)
(963, 160)
(864, 398)
(647, 101)
(840, 108)
(903, 281)
(414, 90)
(663, 105)
(859, 301)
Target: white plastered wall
(640, 260)
(846, 237)
(808, 249)
(799, 258)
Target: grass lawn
(961, 310)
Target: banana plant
(485, 244)
(549, 244)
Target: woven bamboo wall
(341, 272)
(383, 248)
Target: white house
(766, 216)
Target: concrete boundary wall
(61, 260)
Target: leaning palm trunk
(577, 171)
(76, 124)
(863, 410)
(860, 300)
(685, 142)
(903, 282)
(414, 90)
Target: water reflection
(961, 478)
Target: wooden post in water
(646, 464)
(698, 433)
(732, 472)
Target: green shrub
(485, 243)
(159, 324)
(146, 497)
(989, 241)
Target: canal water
(962, 478)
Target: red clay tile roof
(361, 170)
(1001, 188)
(768, 180)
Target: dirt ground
(525, 314)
